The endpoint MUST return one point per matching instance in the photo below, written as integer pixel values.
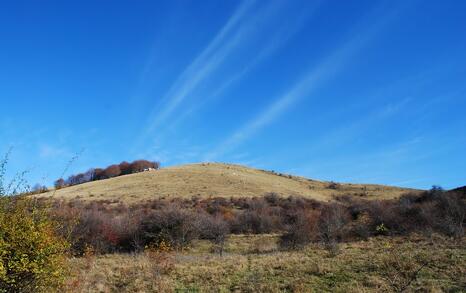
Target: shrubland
(272, 244)
(116, 227)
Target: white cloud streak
(241, 28)
(204, 64)
(303, 88)
(277, 41)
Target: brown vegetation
(117, 227)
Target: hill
(216, 180)
(460, 190)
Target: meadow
(254, 263)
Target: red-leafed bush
(301, 231)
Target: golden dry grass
(253, 264)
(215, 180)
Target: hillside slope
(215, 180)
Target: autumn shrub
(255, 221)
(108, 227)
(272, 198)
(293, 203)
(301, 231)
(90, 231)
(173, 225)
(215, 205)
(451, 214)
(32, 256)
(106, 231)
(215, 229)
(384, 213)
(435, 210)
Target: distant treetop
(93, 174)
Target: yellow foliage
(32, 256)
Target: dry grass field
(254, 264)
(216, 180)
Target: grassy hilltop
(216, 180)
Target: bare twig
(69, 164)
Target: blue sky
(351, 91)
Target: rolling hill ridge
(216, 180)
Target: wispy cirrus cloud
(277, 40)
(350, 130)
(305, 86)
(239, 31)
(207, 61)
